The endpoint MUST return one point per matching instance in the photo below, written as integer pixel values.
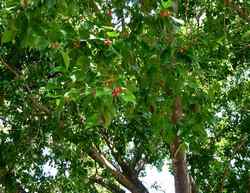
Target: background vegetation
(101, 88)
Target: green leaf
(167, 4)
(107, 118)
(7, 36)
(113, 34)
(54, 96)
(73, 94)
(108, 27)
(246, 35)
(60, 102)
(66, 59)
(128, 96)
(58, 69)
(41, 43)
(92, 120)
(82, 61)
(100, 92)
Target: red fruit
(117, 91)
(182, 50)
(81, 18)
(107, 42)
(109, 13)
(55, 45)
(165, 13)
(77, 44)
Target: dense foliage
(100, 89)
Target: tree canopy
(102, 88)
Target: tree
(102, 88)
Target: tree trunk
(181, 177)
(139, 185)
(126, 169)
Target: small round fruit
(107, 42)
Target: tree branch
(34, 100)
(140, 165)
(123, 165)
(130, 170)
(122, 179)
(108, 185)
(242, 12)
(116, 156)
(130, 173)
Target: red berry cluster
(117, 91)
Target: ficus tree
(100, 89)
